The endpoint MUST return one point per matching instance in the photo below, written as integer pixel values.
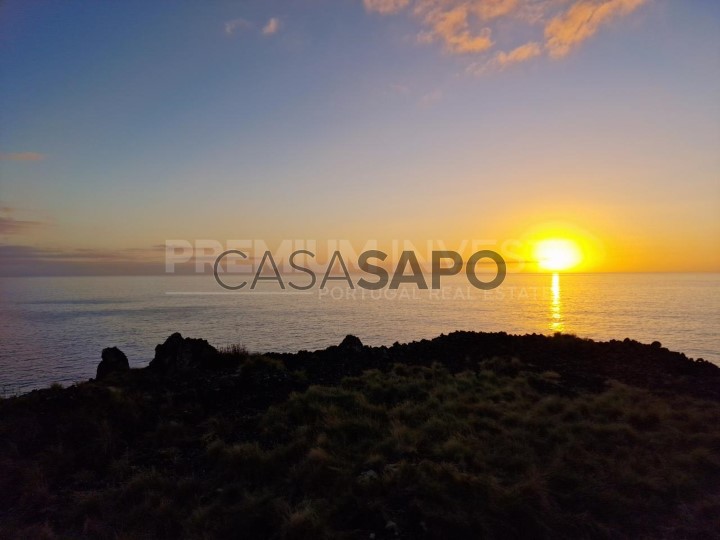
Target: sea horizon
(54, 330)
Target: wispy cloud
(430, 99)
(385, 6)
(11, 225)
(271, 27)
(27, 260)
(234, 25)
(503, 59)
(473, 27)
(22, 156)
(582, 21)
(397, 88)
(519, 54)
(451, 26)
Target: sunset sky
(127, 124)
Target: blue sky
(127, 124)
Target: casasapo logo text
(242, 266)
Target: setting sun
(557, 254)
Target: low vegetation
(289, 446)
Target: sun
(557, 254)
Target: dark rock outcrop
(351, 343)
(113, 361)
(179, 354)
(585, 364)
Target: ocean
(52, 330)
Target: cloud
(385, 6)
(240, 24)
(447, 21)
(489, 9)
(519, 54)
(26, 260)
(503, 59)
(272, 26)
(22, 156)
(474, 27)
(236, 24)
(582, 21)
(398, 88)
(13, 252)
(452, 28)
(9, 225)
(428, 100)
(33, 260)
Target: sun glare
(557, 254)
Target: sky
(125, 126)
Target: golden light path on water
(556, 320)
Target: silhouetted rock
(585, 364)
(179, 354)
(113, 361)
(351, 343)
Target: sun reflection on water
(556, 320)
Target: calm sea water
(53, 329)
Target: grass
(499, 449)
